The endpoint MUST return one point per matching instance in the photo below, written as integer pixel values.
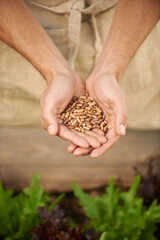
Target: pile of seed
(84, 113)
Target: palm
(54, 100)
(106, 91)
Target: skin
(62, 83)
(115, 110)
(132, 23)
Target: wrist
(114, 66)
(56, 69)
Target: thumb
(53, 127)
(49, 119)
(121, 120)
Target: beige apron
(79, 29)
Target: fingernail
(51, 129)
(122, 129)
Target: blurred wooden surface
(25, 151)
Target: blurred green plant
(18, 213)
(116, 214)
(120, 215)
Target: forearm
(21, 30)
(132, 22)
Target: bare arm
(21, 30)
(132, 22)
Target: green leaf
(103, 236)
(58, 199)
(90, 206)
(18, 213)
(120, 215)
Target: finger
(100, 138)
(99, 131)
(82, 152)
(66, 134)
(49, 118)
(112, 139)
(121, 118)
(43, 125)
(93, 142)
(53, 126)
(71, 148)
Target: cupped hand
(105, 89)
(55, 98)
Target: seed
(102, 125)
(92, 104)
(96, 126)
(90, 98)
(87, 128)
(96, 113)
(71, 127)
(90, 112)
(78, 113)
(65, 121)
(63, 115)
(98, 122)
(83, 97)
(76, 124)
(105, 129)
(80, 124)
(82, 130)
(79, 110)
(78, 129)
(72, 115)
(87, 119)
(100, 116)
(98, 110)
(67, 115)
(80, 101)
(78, 120)
(73, 104)
(85, 105)
(74, 121)
(88, 108)
(79, 104)
(84, 113)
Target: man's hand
(127, 32)
(36, 46)
(55, 98)
(107, 92)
